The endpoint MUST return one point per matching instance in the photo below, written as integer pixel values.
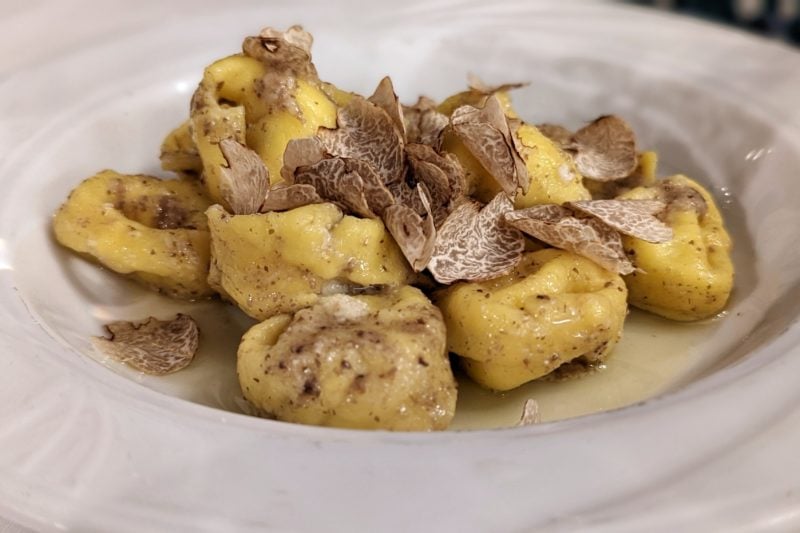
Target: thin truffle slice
(415, 234)
(424, 124)
(476, 84)
(487, 135)
(589, 237)
(630, 217)
(367, 132)
(680, 197)
(385, 98)
(409, 196)
(556, 133)
(156, 347)
(303, 152)
(605, 149)
(338, 180)
(442, 174)
(287, 58)
(245, 181)
(377, 194)
(288, 52)
(284, 197)
(475, 244)
(530, 413)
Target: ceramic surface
(91, 447)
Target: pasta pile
(371, 240)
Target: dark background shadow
(778, 19)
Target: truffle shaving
(385, 98)
(424, 124)
(287, 52)
(556, 133)
(442, 175)
(366, 132)
(530, 413)
(156, 347)
(338, 180)
(475, 244)
(408, 196)
(377, 194)
(415, 234)
(286, 57)
(284, 197)
(245, 181)
(589, 237)
(605, 149)
(478, 85)
(680, 197)
(301, 153)
(630, 217)
(486, 134)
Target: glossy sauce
(652, 357)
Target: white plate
(83, 447)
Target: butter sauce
(653, 356)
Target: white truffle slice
(442, 175)
(376, 193)
(366, 132)
(414, 233)
(424, 124)
(245, 181)
(680, 197)
(156, 347)
(344, 182)
(287, 57)
(287, 52)
(589, 237)
(530, 413)
(556, 133)
(475, 83)
(475, 243)
(486, 134)
(284, 197)
(630, 217)
(385, 98)
(605, 149)
(303, 152)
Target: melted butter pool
(653, 356)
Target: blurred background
(779, 19)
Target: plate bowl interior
(104, 436)
(697, 130)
